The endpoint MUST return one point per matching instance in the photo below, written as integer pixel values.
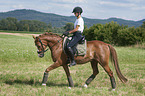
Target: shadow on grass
(27, 82)
(33, 82)
(37, 83)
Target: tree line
(13, 24)
(116, 34)
(111, 32)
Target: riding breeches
(77, 36)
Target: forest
(112, 32)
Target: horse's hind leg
(110, 73)
(94, 65)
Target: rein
(46, 46)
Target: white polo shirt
(79, 22)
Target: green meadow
(21, 72)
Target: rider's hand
(66, 33)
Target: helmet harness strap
(78, 14)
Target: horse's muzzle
(41, 55)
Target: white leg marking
(43, 84)
(113, 89)
(85, 85)
(69, 87)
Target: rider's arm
(74, 30)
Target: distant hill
(59, 21)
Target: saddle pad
(81, 48)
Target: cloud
(19, 6)
(71, 1)
(117, 4)
(135, 1)
(131, 9)
(133, 5)
(137, 8)
(64, 7)
(67, 1)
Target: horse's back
(99, 49)
(97, 44)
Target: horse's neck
(55, 45)
(53, 42)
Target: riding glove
(66, 33)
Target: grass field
(21, 72)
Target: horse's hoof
(113, 89)
(85, 86)
(69, 87)
(43, 84)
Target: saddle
(80, 49)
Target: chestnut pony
(97, 53)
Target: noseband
(46, 46)
(42, 47)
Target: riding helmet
(77, 10)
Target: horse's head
(41, 42)
(41, 46)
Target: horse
(97, 52)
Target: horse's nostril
(41, 55)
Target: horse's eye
(37, 46)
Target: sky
(94, 9)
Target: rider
(77, 34)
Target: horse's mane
(50, 33)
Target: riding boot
(68, 61)
(71, 56)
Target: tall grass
(18, 49)
(21, 72)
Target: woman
(77, 34)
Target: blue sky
(96, 9)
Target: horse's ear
(33, 36)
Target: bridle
(46, 46)
(42, 47)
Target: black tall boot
(71, 56)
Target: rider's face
(76, 14)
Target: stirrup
(72, 64)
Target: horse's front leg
(53, 66)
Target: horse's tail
(114, 60)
